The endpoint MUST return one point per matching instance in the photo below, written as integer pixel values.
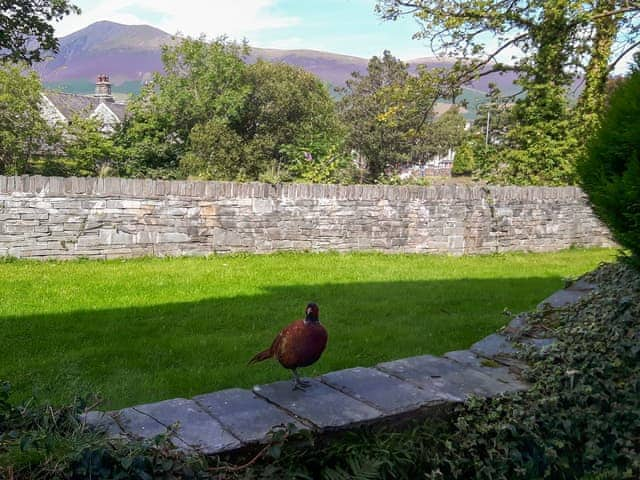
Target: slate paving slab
(499, 348)
(496, 370)
(453, 379)
(195, 427)
(583, 285)
(562, 298)
(382, 391)
(325, 407)
(247, 416)
(516, 325)
(140, 425)
(539, 343)
(465, 357)
(103, 422)
(494, 345)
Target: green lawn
(144, 330)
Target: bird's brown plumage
(299, 344)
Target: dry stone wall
(52, 217)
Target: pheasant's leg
(298, 383)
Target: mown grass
(143, 330)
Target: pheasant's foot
(299, 384)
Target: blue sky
(349, 27)
(342, 26)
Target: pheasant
(299, 344)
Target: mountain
(131, 53)
(330, 67)
(125, 52)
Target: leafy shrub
(43, 442)
(465, 159)
(611, 172)
(319, 160)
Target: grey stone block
(540, 344)
(382, 391)
(451, 378)
(196, 429)
(464, 357)
(493, 346)
(249, 417)
(516, 325)
(562, 298)
(103, 422)
(172, 237)
(113, 237)
(323, 406)
(582, 285)
(139, 425)
(503, 374)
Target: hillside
(131, 53)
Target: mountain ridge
(131, 53)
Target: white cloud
(237, 19)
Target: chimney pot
(103, 88)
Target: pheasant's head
(312, 313)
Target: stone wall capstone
(53, 217)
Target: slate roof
(119, 109)
(70, 104)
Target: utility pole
(486, 137)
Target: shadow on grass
(143, 354)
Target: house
(58, 107)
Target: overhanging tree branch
(624, 53)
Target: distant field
(87, 87)
(149, 329)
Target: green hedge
(611, 172)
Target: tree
(478, 154)
(557, 41)
(373, 107)
(442, 135)
(287, 112)
(203, 81)
(89, 150)
(389, 113)
(217, 151)
(288, 107)
(388, 110)
(213, 116)
(23, 132)
(25, 27)
(610, 174)
(494, 118)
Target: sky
(349, 27)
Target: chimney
(103, 89)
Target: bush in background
(611, 172)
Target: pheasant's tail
(259, 357)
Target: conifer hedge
(611, 172)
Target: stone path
(232, 419)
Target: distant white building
(440, 164)
(60, 107)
